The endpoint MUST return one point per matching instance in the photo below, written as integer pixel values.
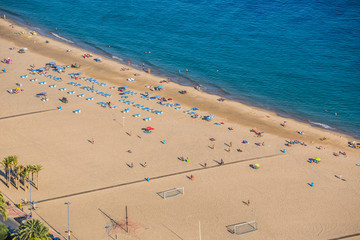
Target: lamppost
(31, 216)
(108, 228)
(68, 206)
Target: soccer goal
(241, 228)
(171, 192)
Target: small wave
(62, 38)
(322, 125)
(117, 58)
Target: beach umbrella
(52, 63)
(318, 159)
(41, 69)
(79, 73)
(150, 128)
(157, 96)
(195, 109)
(257, 165)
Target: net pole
(127, 223)
(199, 230)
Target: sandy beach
(98, 180)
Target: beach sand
(98, 182)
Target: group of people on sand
(131, 165)
(293, 142)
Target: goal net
(241, 228)
(171, 192)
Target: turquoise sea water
(297, 58)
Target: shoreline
(230, 115)
(182, 81)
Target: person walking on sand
(92, 141)
(248, 202)
(230, 145)
(222, 162)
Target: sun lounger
(80, 95)
(77, 111)
(33, 80)
(113, 107)
(136, 115)
(62, 89)
(112, 87)
(90, 99)
(147, 119)
(42, 83)
(177, 108)
(125, 110)
(24, 76)
(187, 111)
(52, 86)
(71, 92)
(44, 99)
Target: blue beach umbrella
(157, 96)
(159, 87)
(195, 109)
(80, 73)
(41, 69)
(52, 63)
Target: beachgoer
(248, 202)
(92, 141)
(230, 145)
(144, 165)
(132, 165)
(205, 165)
(222, 162)
(191, 177)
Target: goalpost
(241, 228)
(171, 192)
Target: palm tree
(36, 170)
(31, 170)
(18, 170)
(25, 175)
(3, 207)
(31, 229)
(7, 165)
(14, 164)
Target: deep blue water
(294, 57)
